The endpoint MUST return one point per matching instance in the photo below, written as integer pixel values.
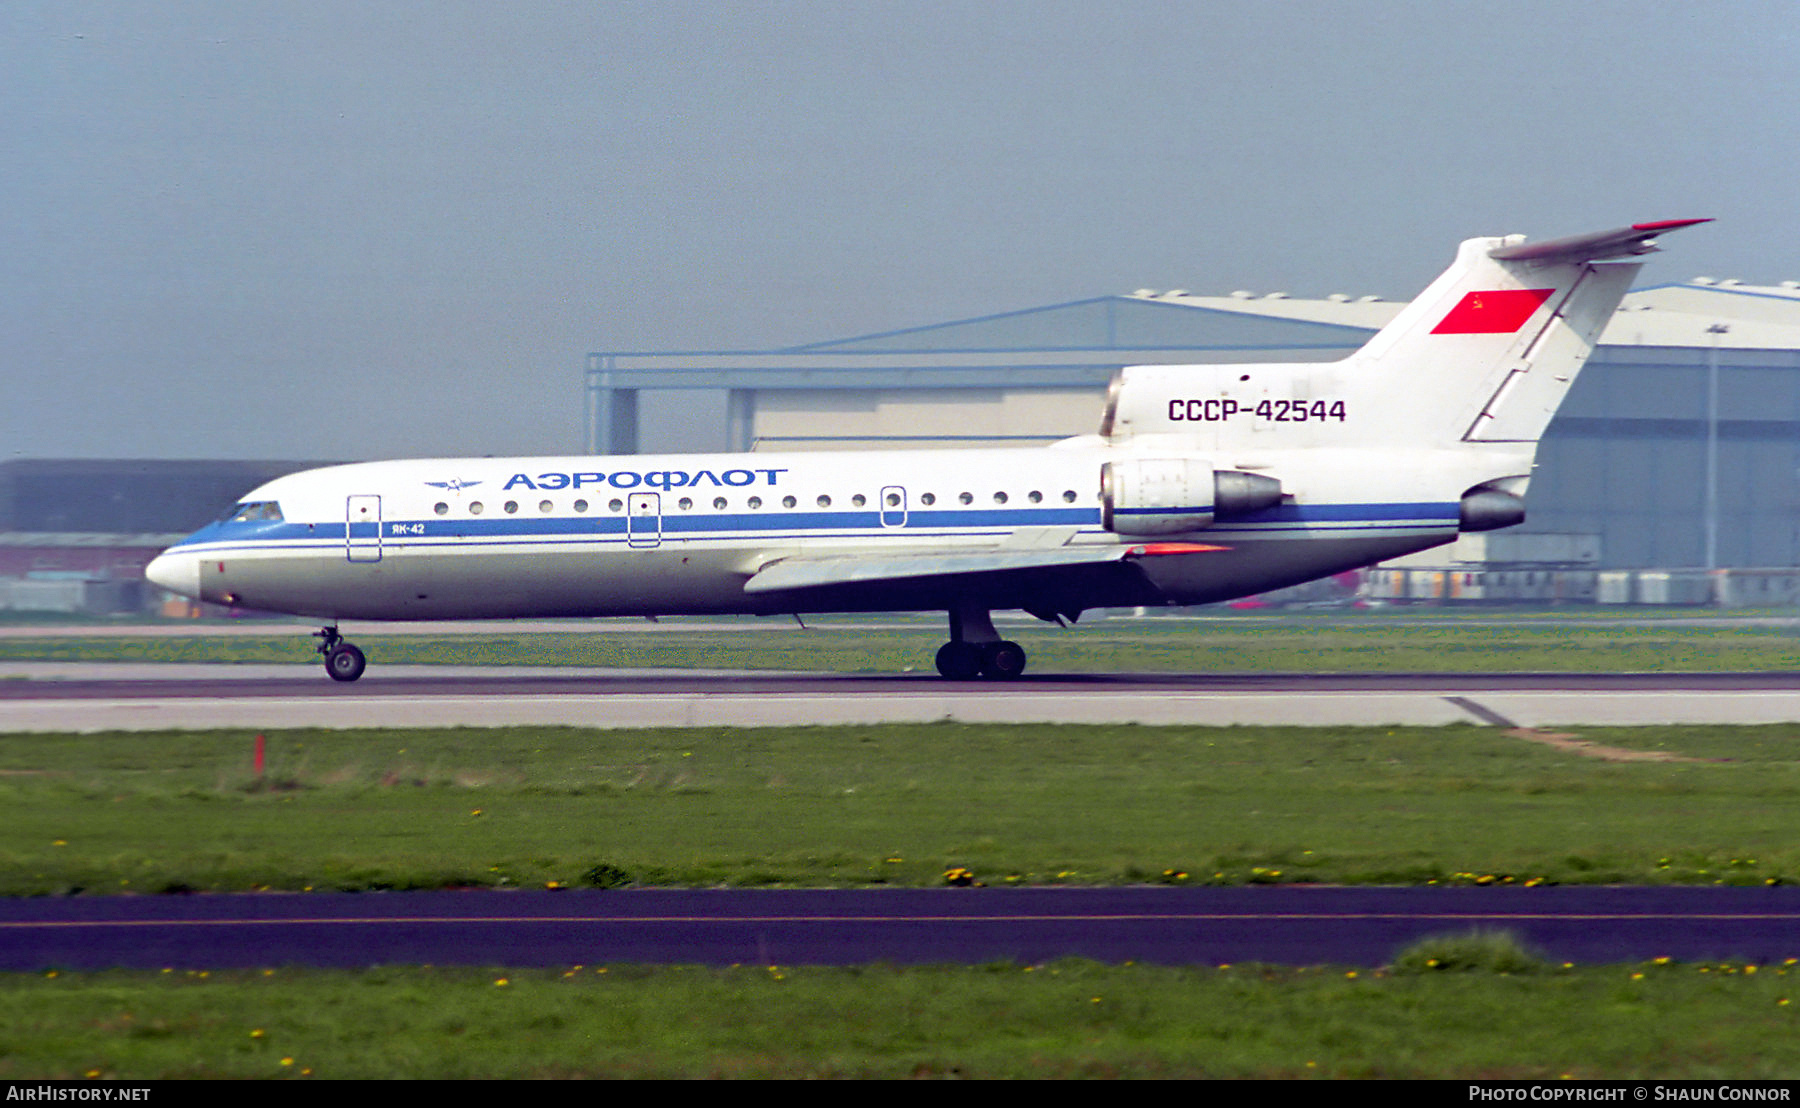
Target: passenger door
(362, 528)
(643, 519)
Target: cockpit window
(259, 511)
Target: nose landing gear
(343, 661)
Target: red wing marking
(1495, 312)
(1173, 548)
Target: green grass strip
(894, 805)
(1059, 1020)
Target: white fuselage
(661, 535)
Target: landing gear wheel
(959, 661)
(1003, 660)
(345, 663)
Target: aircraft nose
(179, 573)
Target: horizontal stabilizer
(1639, 238)
(813, 572)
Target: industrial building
(1675, 459)
(76, 534)
(1679, 446)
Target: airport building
(76, 534)
(1678, 448)
(1670, 475)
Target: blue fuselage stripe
(1284, 520)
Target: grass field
(897, 804)
(1063, 1019)
(902, 805)
(1446, 641)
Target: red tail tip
(1668, 224)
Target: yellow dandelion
(256, 1033)
(501, 982)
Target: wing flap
(803, 572)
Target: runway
(1288, 925)
(1293, 925)
(55, 696)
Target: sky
(346, 230)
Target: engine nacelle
(1165, 496)
(1486, 509)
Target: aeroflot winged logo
(455, 484)
(1496, 312)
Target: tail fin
(1488, 351)
(1482, 358)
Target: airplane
(1204, 483)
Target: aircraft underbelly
(482, 585)
(580, 581)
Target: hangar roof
(1107, 323)
(1081, 342)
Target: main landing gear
(343, 661)
(975, 649)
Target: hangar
(1678, 450)
(1678, 447)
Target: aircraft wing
(809, 571)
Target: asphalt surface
(54, 696)
(88, 681)
(1175, 926)
(1293, 925)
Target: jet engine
(1165, 496)
(1489, 509)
